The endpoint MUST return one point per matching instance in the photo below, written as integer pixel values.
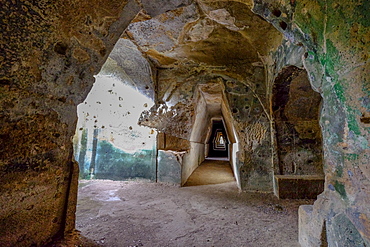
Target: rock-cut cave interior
(185, 123)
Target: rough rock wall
(49, 52)
(336, 37)
(249, 108)
(128, 65)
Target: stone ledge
(298, 186)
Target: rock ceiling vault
(220, 37)
(217, 33)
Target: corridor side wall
(335, 35)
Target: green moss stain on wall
(331, 60)
(339, 171)
(351, 157)
(336, 35)
(114, 163)
(362, 13)
(339, 187)
(339, 91)
(309, 17)
(352, 121)
(82, 152)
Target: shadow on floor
(211, 171)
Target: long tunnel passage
(218, 142)
(216, 168)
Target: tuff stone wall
(336, 37)
(49, 54)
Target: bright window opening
(109, 144)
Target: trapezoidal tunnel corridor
(216, 168)
(218, 144)
(184, 123)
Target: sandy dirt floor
(139, 213)
(211, 172)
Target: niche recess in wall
(296, 113)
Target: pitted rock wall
(336, 37)
(49, 53)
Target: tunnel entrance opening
(213, 138)
(216, 167)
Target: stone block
(169, 166)
(311, 229)
(304, 215)
(298, 186)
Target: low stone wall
(298, 186)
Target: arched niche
(298, 141)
